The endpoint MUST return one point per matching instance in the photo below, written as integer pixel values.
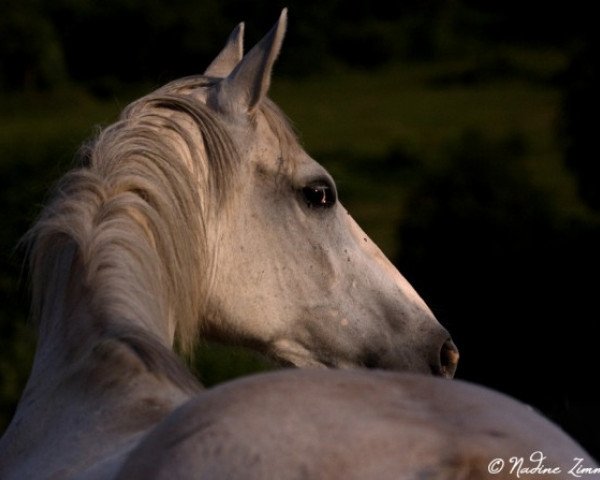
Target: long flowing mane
(137, 209)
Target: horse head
(293, 274)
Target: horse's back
(329, 425)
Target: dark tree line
(580, 115)
(45, 42)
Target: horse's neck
(95, 386)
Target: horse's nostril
(448, 359)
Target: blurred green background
(459, 132)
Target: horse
(198, 214)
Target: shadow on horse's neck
(79, 344)
(90, 374)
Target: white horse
(198, 213)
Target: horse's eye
(319, 195)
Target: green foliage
(31, 56)
(106, 43)
(215, 363)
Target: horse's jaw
(290, 353)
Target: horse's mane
(136, 216)
(137, 210)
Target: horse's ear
(243, 89)
(230, 56)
